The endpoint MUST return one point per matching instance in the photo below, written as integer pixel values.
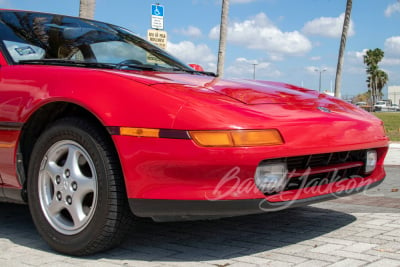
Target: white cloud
(356, 56)
(390, 61)
(276, 57)
(354, 63)
(360, 55)
(392, 46)
(190, 31)
(244, 68)
(328, 27)
(392, 52)
(393, 8)
(355, 60)
(189, 53)
(261, 34)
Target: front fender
(114, 100)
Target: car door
(9, 128)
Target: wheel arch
(39, 121)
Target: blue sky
(287, 39)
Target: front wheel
(75, 188)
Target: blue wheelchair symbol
(157, 10)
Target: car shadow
(196, 240)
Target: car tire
(76, 191)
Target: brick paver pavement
(361, 230)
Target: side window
(23, 51)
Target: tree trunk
(346, 24)
(86, 9)
(222, 37)
(374, 92)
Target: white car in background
(380, 105)
(394, 107)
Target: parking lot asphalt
(359, 230)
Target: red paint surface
(158, 168)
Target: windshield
(29, 37)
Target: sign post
(156, 34)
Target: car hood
(246, 91)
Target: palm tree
(86, 9)
(376, 78)
(222, 37)
(373, 57)
(346, 25)
(381, 80)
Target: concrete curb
(393, 155)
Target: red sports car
(98, 127)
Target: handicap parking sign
(157, 10)
(157, 17)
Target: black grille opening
(319, 169)
(320, 160)
(318, 179)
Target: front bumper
(170, 178)
(179, 210)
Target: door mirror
(196, 67)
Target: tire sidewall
(61, 242)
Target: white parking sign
(157, 17)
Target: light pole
(320, 77)
(254, 70)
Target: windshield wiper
(130, 66)
(66, 62)
(127, 66)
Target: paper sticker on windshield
(24, 51)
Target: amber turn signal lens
(238, 138)
(212, 138)
(139, 132)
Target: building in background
(394, 94)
